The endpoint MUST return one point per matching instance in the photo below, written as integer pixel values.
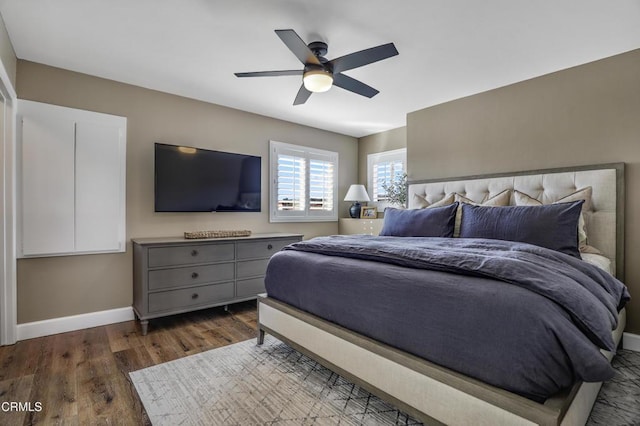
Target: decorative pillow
(421, 202)
(434, 222)
(554, 226)
(501, 199)
(580, 194)
(523, 199)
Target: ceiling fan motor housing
(313, 67)
(319, 48)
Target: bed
(423, 381)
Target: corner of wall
(8, 59)
(8, 286)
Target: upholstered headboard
(605, 220)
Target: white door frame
(8, 286)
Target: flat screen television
(200, 180)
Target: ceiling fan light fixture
(319, 73)
(317, 80)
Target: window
(384, 168)
(304, 184)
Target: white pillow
(598, 260)
(421, 202)
(501, 199)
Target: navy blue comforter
(517, 316)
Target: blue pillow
(433, 222)
(554, 226)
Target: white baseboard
(75, 322)
(48, 327)
(631, 342)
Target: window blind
(383, 169)
(304, 183)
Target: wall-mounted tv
(200, 180)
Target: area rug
(246, 384)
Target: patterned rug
(618, 402)
(244, 384)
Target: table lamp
(356, 193)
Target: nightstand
(348, 226)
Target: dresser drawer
(188, 297)
(248, 288)
(190, 275)
(260, 249)
(173, 274)
(185, 255)
(252, 268)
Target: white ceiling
(448, 48)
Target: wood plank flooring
(81, 377)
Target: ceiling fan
(319, 74)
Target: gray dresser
(174, 275)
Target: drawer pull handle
(194, 275)
(194, 296)
(269, 247)
(194, 252)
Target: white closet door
(48, 187)
(99, 187)
(72, 165)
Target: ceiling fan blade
(269, 73)
(363, 57)
(298, 47)
(302, 96)
(353, 85)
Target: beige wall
(584, 115)
(378, 142)
(61, 286)
(7, 54)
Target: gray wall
(7, 54)
(584, 115)
(61, 286)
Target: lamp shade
(317, 80)
(357, 193)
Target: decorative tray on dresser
(174, 275)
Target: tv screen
(199, 180)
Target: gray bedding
(520, 317)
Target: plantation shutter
(383, 169)
(304, 183)
(383, 174)
(291, 183)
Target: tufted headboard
(605, 220)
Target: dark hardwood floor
(81, 377)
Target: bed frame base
(426, 391)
